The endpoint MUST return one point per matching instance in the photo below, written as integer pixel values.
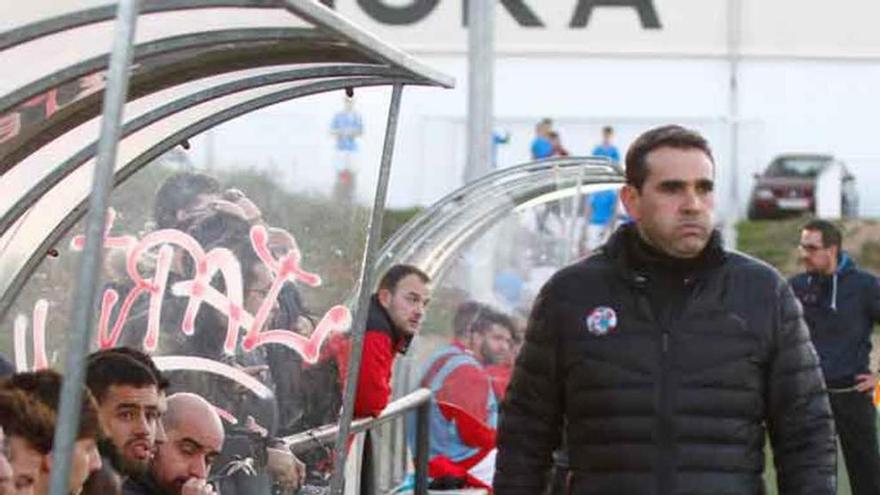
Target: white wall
(785, 105)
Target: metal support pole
(481, 60)
(365, 291)
(734, 34)
(422, 448)
(575, 231)
(86, 297)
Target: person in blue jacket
(841, 305)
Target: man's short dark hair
(178, 192)
(45, 387)
(465, 316)
(672, 136)
(831, 235)
(108, 368)
(23, 416)
(142, 357)
(476, 317)
(607, 130)
(397, 273)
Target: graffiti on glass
(198, 291)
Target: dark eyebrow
(134, 405)
(671, 183)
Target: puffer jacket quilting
(681, 408)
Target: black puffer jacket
(669, 403)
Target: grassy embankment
(776, 243)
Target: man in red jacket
(395, 316)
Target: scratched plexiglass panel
(499, 264)
(234, 260)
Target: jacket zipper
(664, 441)
(664, 434)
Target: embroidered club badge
(602, 321)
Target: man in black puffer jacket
(665, 358)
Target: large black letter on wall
(522, 14)
(645, 8)
(411, 14)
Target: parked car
(788, 185)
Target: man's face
(607, 137)
(673, 210)
(406, 305)
(130, 416)
(198, 209)
(815, 257)
(6, 484)
(188, 452)
(544, 128)
(258, 285)
(27, 465)
(86, 460)
(493, 346)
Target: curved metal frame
(175, 44)
(250, 54)
(33, 192)
(46, 27)
(481, 193)
(9, 288)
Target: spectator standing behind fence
(346, 127)
(664, 357)
(541, 146)
(607, 148)
(602, 205)
(841, 305)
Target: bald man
(194, 437)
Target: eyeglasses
(810, 248)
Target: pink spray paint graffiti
(41, 309)
(198, 290)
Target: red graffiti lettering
(174, 245)
(41, 308)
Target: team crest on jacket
(602, 321)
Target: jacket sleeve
(374, 378)
(531, 414)
(874, 298)
(799, 416)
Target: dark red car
(787, 187)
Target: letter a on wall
(645, 8)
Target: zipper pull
(665, 341)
